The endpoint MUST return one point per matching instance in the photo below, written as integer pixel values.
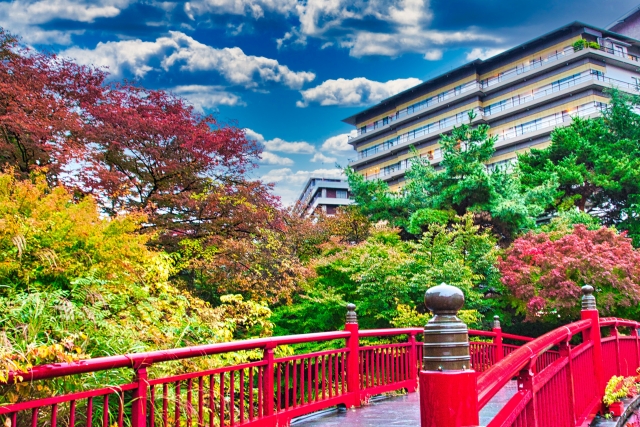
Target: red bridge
(561, 376)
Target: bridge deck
(401, 411)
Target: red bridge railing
(265, 392)
(561, 376)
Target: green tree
(386, 277)
(496, 198)
(596, 162)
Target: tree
(77, 285)
(545, 272)
(596, 162)
(464, 184)
(43, 101)
(148, 151)
(384, 274)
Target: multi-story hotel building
(522, 93)
(325, 194)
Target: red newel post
(590, 311)
(268, 392)
(139, 402)
(497, 340)
(448, 391)
(353, 363)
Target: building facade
(522, 93)
(324, 194)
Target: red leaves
(41, 107)
(546, 276)
(151, 148)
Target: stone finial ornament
(496, 322)
(352, 317)
(446, 337)
(588, 300)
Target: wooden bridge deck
(400, 411)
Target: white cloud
(354, 92)
(433, 55)
(482, 53)
(267, 158)
(288, 184)
(179, 50)
(208, 97)
(339, 144)
(23, 17)
(254, 8)
(387, 27)
(280, 145)
(321, 158)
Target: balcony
(506, 137)
(413, 110)
(415, 135)
(488, 113)
(488, 83)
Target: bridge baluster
(448, 392)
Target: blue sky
(288, 71)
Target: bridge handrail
(494, 379)
(137, 360)
(615, 321)
(415, 331)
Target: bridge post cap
(444, 299)
(588, 300)
(496, 321)
(352, 317)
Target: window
(636, 82)
(363, 129)
(598, 74)
(496, 106)
(387, 170)
(457, 90)
(441, 96)
(564, 82)
(385, 121)
(341, 194)
(528, 127)
(437, 153)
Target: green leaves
(596, 162)
(496, 198)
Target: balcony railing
(513, 132)
(417, 133)
(550, 121)
(556, 87)
(498, 107)
(414, 108)
(485, 83)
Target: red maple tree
(142, 150)
(42, 108)
(545, 274)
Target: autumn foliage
(545, 274)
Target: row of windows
(521, 129)
(502, 105)
(606, 45)
(421, 105)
